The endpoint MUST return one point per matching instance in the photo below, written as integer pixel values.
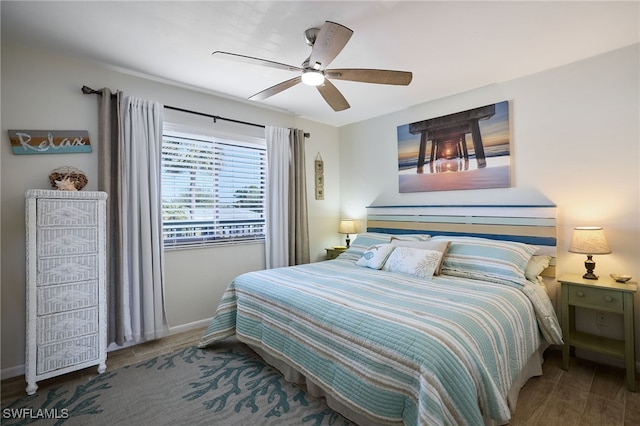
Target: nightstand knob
(608, 299)
(580, 294)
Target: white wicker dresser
(66, 286)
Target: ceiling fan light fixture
(326, 43)
(312, 77)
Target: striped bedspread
(395, 348)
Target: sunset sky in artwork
(495, 131)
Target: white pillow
(536, 265)
(375, 256)
(413, 261)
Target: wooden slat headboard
(535, 225)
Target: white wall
(42, 92)
(575, 141)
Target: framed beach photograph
(466, 150)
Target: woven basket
(76, 176)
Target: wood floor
(587, 394)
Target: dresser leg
(31, 388)
(102, 368)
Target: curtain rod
(89, 91)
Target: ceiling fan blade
(333, 96)
(329, 42)
(255, 61)
(402, 78)
(274, 90)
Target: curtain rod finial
(88, 90)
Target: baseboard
(190, 326)
(7, 373)
(600, 358)
(18, 370)
(170, 332)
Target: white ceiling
(450, 46)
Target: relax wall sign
(49, 141)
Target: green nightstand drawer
(597, 298)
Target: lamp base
(348, 241)
(590, 264)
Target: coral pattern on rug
(224, 385)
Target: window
(213, 190)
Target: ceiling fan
(326, 43)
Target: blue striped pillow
(501, 262)
(362, 243)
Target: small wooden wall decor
(319, 171)
(49, 141)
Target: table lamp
(347, 226)
(589, 240)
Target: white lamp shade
(589, 240)
(347, 227)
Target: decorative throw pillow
(502, 262)
(536, 265)
(375, 256)
(413, 261)
(440, 245)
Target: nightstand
(604, 295)
(332, 253)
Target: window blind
(213, 191)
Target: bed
(435, 315)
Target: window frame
(221, 138)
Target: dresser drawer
(66, 212)
(67, 353)
(67, 241)
(59, 270)
(595, 298)
(59, 298)
(67, 325)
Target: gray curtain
(110, 181)
(287, 239)
(130, 142)
(298, 216)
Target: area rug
(226, 385)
